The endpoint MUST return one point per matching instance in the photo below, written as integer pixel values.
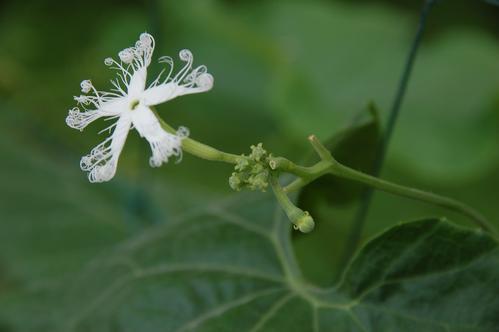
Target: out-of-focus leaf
(449, 128)
(333, 62)
(338, 56)
(53, 222)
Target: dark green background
(283, 70)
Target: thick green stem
(313, 172)
(201, 150)
(301, 219)
(283, 198)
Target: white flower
(130, 101)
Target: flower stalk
(131, 103)
(199, 149)
(328, 165)
(301, 220)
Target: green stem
(283, 199)
(312, 172)
(301, 219)
(337, 169)
(201, 150)
(448, 203)
(327, 165)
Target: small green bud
(235, 182)
(257, 152)
(259, 181)
(257, 168)
(272, 162)
(251, 172)
(242, 163)
(304, 223)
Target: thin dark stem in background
(360, 217)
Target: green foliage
(159, 249)
(223, 270)
(444, 72)
(230, 266)
(226, 265)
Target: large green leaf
(228, 267)
(53, 221)
(223, 266)
(70, 263)
(426, 275)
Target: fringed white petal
(163, 144)
(102, 161)
(115, 106)
(168, 91)
(137, 83)
(144, 48)
(186, 81)
(160, 94)
(79, 119)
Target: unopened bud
(257, 152)
(235, 182)
(304, 223)
(242, 164)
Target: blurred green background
(283, 70)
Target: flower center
(134, 104)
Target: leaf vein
(220, 310)
(238, 221)
(272, 311)
(173, 268)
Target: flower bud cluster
(252, 171)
